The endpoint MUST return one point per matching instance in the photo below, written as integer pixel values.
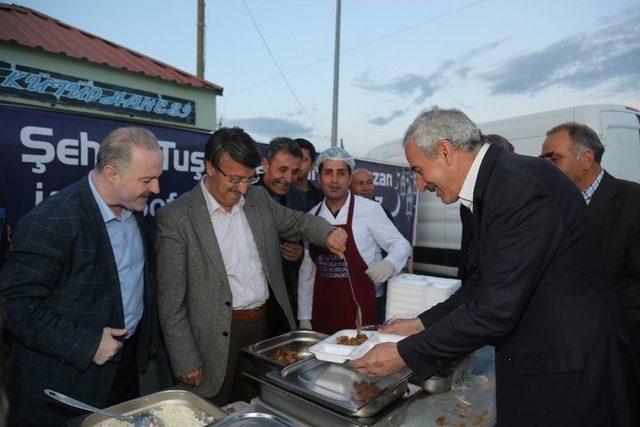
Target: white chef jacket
(372, 231)
(245, 273)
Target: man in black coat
(466, 217)
(613, 207)
(313, 194)
(281, 170)
(539, 294)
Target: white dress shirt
(372, 231)
(242, 263)
(466, 192)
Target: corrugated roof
(30, 28)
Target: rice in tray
(172, 415)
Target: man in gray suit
(219, 266)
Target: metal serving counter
(471, 403)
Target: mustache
(431, 187)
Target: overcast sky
(492, 59)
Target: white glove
(304, 324)
(380, 271)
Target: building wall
(205, 99)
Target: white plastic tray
(330, 351)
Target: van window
(622, 153)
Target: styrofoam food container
(412, 294)
(329, 350)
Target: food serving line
(296, 388)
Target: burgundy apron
(333, 306)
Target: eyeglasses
(239, 181)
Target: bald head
(362, 183)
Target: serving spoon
(355, 301)
(144, 419)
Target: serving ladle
(355, 301)
(145, 419)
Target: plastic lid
(442, 283)
(414, 279)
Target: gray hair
(583, 138)
(363, 170)
(283, 144)
(432, 126)
(116, 149)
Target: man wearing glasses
(219, 267)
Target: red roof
(30, 28)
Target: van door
(622, 144)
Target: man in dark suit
(466, 216)
(76, 286)
(314, 194)
(613, 207)
(281, 170)
(539, 294)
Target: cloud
(406, 85)
(294, 113)
(271, 126)
(609, 54)
(383, 120)
(423, 87)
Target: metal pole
(200, 45)
(336, 78)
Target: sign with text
(28, 82)
(43, 151)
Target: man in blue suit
(76, 287)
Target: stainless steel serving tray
(256, 415)
(315, 414)
(340, 388)
(444, 380)
(203, 409)
(298, 341)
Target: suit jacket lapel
(598, 208)
(96, 221)
(201, 221)
(147, 274)
(486, 168)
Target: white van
(437, 237)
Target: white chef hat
(336, 153)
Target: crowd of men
(551, 271)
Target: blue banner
(41, 152)
(44, 85)
(396, 191)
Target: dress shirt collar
(214, 207)
(105, 210)
(344, 208)
(466, 192)
(590, 190)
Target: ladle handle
(77, 404)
